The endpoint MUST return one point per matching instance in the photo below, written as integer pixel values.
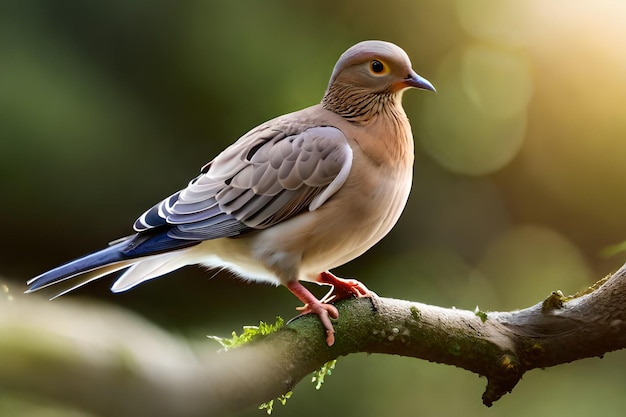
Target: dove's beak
(416, 81)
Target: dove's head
(376, 66)
(370, 77)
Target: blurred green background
(520, 179)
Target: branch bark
(112, 363)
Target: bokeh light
(528, 262)
(478, 122)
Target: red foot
(312, 305)
(342, 288)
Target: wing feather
(269, 175)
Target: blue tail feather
(86, 263)
(137, 246)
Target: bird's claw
(342, 288)
(312, 305)
(325, 312)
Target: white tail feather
(150, 268)
(92, 276)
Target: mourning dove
(294, 197)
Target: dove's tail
(144, 257)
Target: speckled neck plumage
(359, 105)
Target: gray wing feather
(269, 175)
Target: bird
(288, 201)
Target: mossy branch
(113, 364)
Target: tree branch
(115, 364)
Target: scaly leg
(312, 305)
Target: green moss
(320, 374)
(592, 288)
(249, 334)
(508, 362)
(553, 302)
(415, 313)
(480, 314)
(318, 379)
(269, 406)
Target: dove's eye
(378, 67)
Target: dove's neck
(360, 105)
(381, 113)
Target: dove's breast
(373, 205)
(350, 222)
(359, 215)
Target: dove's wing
(268, 176)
